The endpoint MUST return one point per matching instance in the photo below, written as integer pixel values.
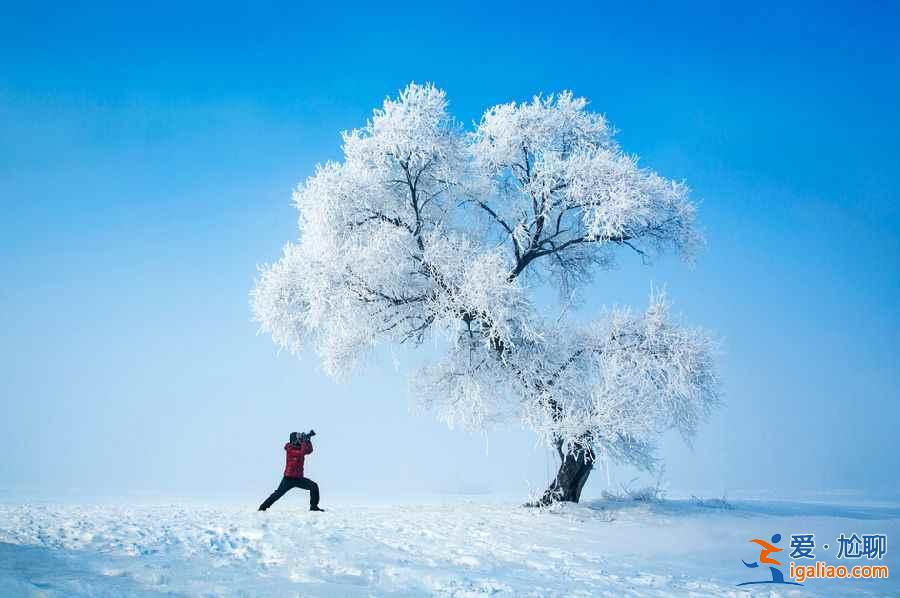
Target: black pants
(288, 483)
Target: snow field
(458, 548)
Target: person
(296, 450)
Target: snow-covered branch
(572, 193)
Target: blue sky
(147, 161)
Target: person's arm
(306, 446)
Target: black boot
(316, 508)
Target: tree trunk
(574, 469)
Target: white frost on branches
(563, 188)
(424, 231)
(621, 381)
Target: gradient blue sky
(147, 159)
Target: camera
(297, 437)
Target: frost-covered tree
(426, 231)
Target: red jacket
(295, 457)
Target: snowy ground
(456, 547)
